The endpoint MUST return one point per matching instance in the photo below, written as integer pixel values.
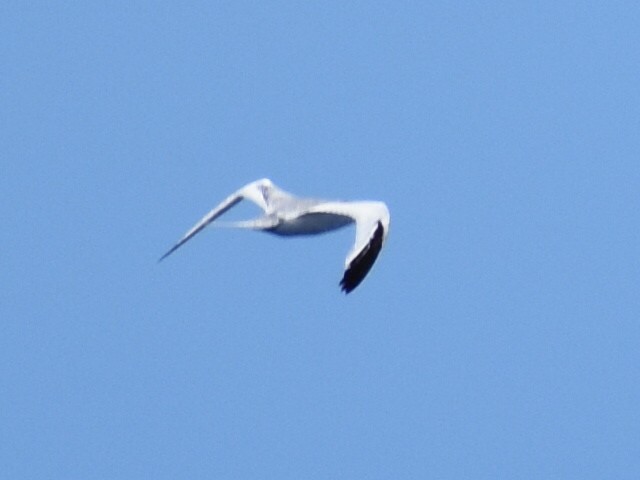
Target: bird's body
(309, 224)
(287, 215)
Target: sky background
(498, 334)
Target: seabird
(286, 215)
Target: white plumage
(286, 214)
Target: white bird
(285, 214)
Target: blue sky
(496, 337)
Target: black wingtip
(360, 266)
(347, 290)
(173, 249)
(348, 286)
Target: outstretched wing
(256, 192)
(372, 225)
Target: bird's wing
(256, 192)
(372, 226)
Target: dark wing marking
(360, 266)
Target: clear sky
(496, 337)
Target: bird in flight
(287, 215)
